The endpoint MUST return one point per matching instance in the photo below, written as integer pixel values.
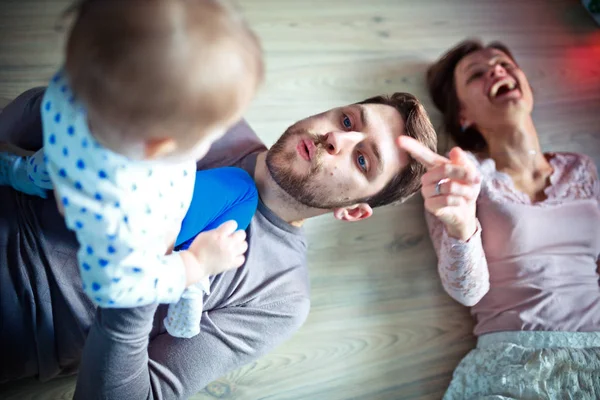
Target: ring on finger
(438, 186)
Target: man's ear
(156, 148)
(353, 213)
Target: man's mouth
(502, 88)
(306, 148)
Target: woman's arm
(450, 189)
(461, 264)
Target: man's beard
(302, 188)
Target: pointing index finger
(421, 153)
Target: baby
(146, 87)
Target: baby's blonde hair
(153, 66)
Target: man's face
(340, 157)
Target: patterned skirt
(530, 365)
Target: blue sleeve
(220, 195)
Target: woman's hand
(450, 187)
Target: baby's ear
(157, 148)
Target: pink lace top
(529, 266)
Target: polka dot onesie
(125, 213)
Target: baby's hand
(215, 252)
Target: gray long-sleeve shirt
(45, 318)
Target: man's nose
(340, 141)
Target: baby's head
(162, 78)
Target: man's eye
(347, 122)
(362, 162)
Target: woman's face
(492, 90)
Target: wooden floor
(381, 328)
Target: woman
(517, 234)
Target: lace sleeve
(462, 265)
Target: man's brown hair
(416, 125)
(442, 89)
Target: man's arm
(237, 143)
(21, 122)
(119, 363)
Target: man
(344, 161)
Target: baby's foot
(13, 172)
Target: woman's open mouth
(504, 88)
